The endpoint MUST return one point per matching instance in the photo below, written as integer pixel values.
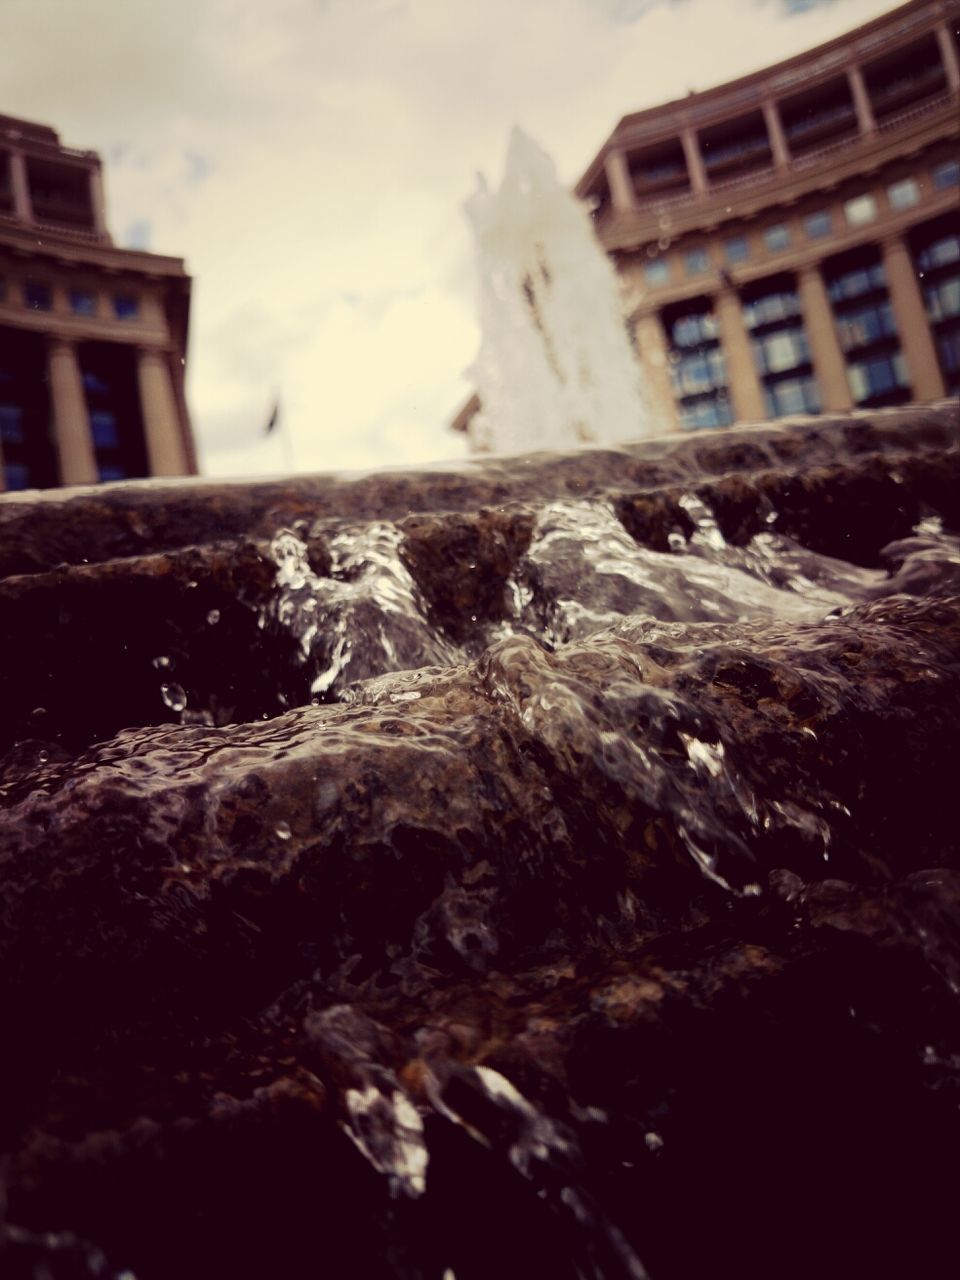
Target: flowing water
(490, 883)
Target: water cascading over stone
(556, 367)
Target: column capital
(809, 270)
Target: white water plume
(556, 367)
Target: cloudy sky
(309, 159)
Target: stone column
(622, 195)
(913, 325)
(166, 455)
(861, 101)
(829, 363)
(948, 53)
(695, 166)
(744, 385)
(71, 421)
(20, 185)
(652, 349)
(97, 202)
(778, 139)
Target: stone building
(93, 338)
(789, 241)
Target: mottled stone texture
(633, 952)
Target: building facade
(93, 338)
(789, 242)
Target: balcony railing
(904, 84)
(812, 123)
(799, 163)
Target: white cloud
(309, 159)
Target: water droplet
(213, 617)
(653, 1140)
(174, 696)
(283, 830)
(43, 756)
(163, 663)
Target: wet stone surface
(548, 869)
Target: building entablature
(70, 248)
(890, 225)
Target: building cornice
(664, 122)
(67, 248)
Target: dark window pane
(657, 271)
(737, 249)
(11, 424)
(95, 385)
(37, 295)
(125, 307)
(946, 175)
(82, 303)
(17, 475)
(696, 261)
(817, 224)
(103, 425)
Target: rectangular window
(696, 261)
(940, 253)
(777, 238)
(877, 377)
(948, 344)
(125, 307)
(856, 283)
(781, 351)
(103, 427)
(82, 303)
(737, 249)
(791, 396)
(818, 224)
(37, 295)
(107, 471)
(17, 475)
(657, 271)
(780, 305)
(11, 424)
(946, 175)
(860, 210)
(865, 325)
(943, 299)
(903, 195)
